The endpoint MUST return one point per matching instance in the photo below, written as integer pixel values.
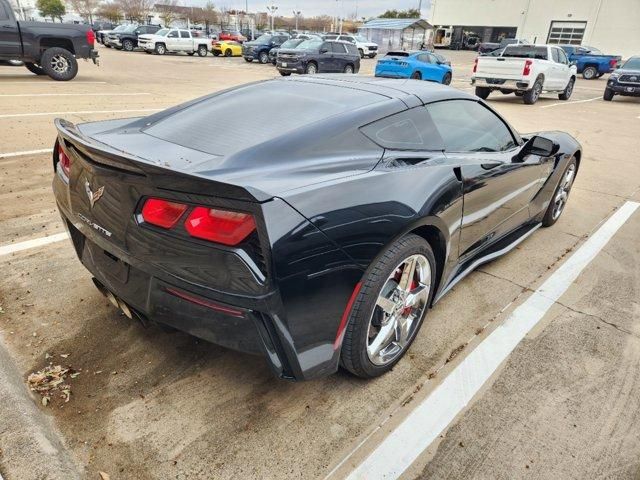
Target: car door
(340, 59)
(429, 67)
(498, 184)
(564, 68)
(186, 42)
(554, 72)
(10, 45)
(173, 41)
(325, 58)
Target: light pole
(296, 13)
(272, 10)
(420, 8)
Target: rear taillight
(64, 161)
(613, 62)
(162, 213)
(220, 226)
(91, 37)
(527, 67)
(475, 65)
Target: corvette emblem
(93, 196)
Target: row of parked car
(529, 70)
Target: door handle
(490, 165)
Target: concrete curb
(30, 443)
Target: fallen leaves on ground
(104, 476)
(51, 380)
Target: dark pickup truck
(488, 47)
(45, 48)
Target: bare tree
(110, 11)
(136, 10)
(168, 11)
(207, 15)
(85, 8)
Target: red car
(233, 36)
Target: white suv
(365, 47)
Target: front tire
(561, 194)
(388, 311)
(264, 57)
(284, 74)
(589, 73)
(59, 64)
(416, 76)
(483, 92)
(228, 52)
(160, 49)
(568, 90)
(248, 60)
(607, 95)
(446, 80)
(33, 68)
(361, 53)
(311, 69)
(128, 45)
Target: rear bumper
(501, 84)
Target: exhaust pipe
(119, 304)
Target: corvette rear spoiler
(163, 177)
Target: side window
(352, 49)
(338, 47)
(4, 15)
(173, 34)
(554, 55)
(469, 126)
(184, 34)
(409, 130)
(326, 46)
(563, 57)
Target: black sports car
(322, 237)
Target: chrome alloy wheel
(60, 64)
(562, 193)
(399, 309)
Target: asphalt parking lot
(153, 404)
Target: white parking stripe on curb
(433, 415)
(571, 102)
(26, 152)
(43, 114)
(73, 94)
(36, 242)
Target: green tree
(51, 8)
(411, 13)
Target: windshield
(120, 28)
(632, 64)
(526, 51)
(313, 44)
(292, 43)
(163, 32)
(129, 29)
(360, 38)
(263, 39)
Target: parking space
(153, 404)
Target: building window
(566, 32)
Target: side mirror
(540, 146)
(324, 50)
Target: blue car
(420, 65)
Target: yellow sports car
(227, 48)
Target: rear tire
(568, 90)
(589, 73)
(361, 52)
(483, 92)
(608, 94)
(33, 68)
(531, 96)
(416, 76)
(561, 194)
(348, 69)
(367, 315)
(202, 51)
(60, 64)
(248, 60)
(228, 52)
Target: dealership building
(612, 26)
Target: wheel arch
(51, 42)
(438, 243)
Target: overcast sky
(310, 8)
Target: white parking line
(26, 152)
(433, 415)
(570, 103)
(36, 242)
(48, 83)
(43, 114)
(73, 94)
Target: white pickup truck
(174, 40)
(527, 71)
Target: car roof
(406, 90)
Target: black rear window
(248, 116)
(526, 51)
